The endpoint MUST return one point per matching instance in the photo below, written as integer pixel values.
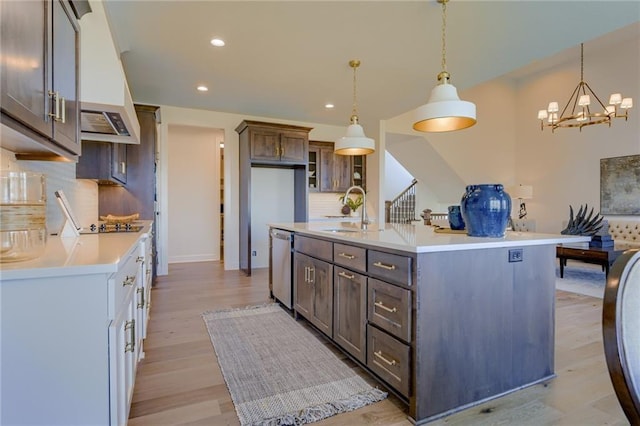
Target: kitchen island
(446, 321)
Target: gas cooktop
(111, 227)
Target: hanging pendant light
(355, 142)
(444, 112)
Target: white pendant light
(355, 142)
(444, 112)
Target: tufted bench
(625, 231)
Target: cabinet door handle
(56, 105)
(141, 293)
(381, 306)
(386, 361)
(312, 278)
(281, 151)
(131, 326)
(345, 275)
(63, 110)
(128, 280)
(346, 256)
(384, 266)
(306, 274)
(123, 167)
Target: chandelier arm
(573, 94)
(595, 96)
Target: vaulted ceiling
(286, 59)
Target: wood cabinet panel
(321, 249)
(25, 80)
(294, 147)
(313, 291)
(389, 358)
(389, 267)
(389, 308)
(334, 173)
(104, 161)
(354, 258)
(350, 312)
(40, 84)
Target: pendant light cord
(581, 61)
(444, 29)
(354, 112)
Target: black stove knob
(103, 227)
(93, 227)
(127, 226)
(118, 225)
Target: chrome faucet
(364, 220)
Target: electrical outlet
(515, 255)
(254, 253)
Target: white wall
(397, 177)
(193, 194)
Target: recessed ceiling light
(329, 106)
(217, 42)
(202, 88)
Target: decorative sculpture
(581, 225)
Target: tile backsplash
(322, 204)
(81, 193)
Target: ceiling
(286, 59)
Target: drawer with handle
(124, 281)
(388, 358)
(314, 247)
(389, 307)
(389, 267)
(349, 256)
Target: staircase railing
(402, 209)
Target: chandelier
(444, 111)
(580, 111)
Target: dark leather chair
(621, 331)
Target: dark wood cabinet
(265, 144)
(276, 143)
(332, 172)
(350, 312)
(313, 291)
(40, 84)
(104, 161)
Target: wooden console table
(603, 256)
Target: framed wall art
(620, 185)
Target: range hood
(106, 108)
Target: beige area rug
(278, 373)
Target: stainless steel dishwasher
(281, 251)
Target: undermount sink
(340, 230)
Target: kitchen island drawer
(320, 249)
(351, 257)
(390, 308)
(389, 267)
(388, 358)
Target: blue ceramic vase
(455, 218)
(485, 210)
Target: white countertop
(86, 254)
(421, 238)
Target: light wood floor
(179, 381)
